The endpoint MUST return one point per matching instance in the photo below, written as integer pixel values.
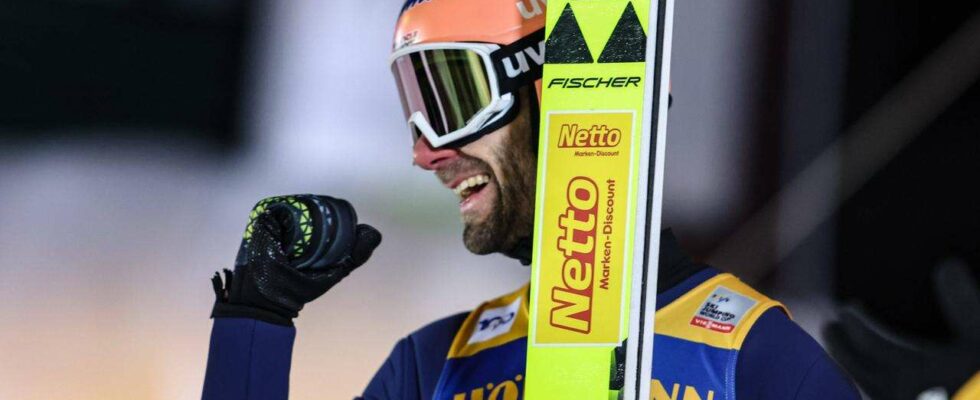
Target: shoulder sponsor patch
(495, 322)
(722, 310)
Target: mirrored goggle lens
(449, 87)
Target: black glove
(888, 366)
(295, 249)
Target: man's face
(494, 179)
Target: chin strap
(521, 251)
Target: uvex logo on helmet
(531, 8)
(519, 62)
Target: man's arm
(295, 248)
(248, 359)
(398, 376)
(781, 361)
(412, 370)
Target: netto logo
(572, 136)
(506, 390)
(572, 309)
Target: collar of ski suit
(701, 315)
(509, 313)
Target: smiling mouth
(470, 186)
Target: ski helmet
(458, 64)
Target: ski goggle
(451, 91)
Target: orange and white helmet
(459, 63)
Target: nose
(430, 158)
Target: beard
(511, 219)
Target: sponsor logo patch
(722, 310)
(583, 238)
(592, 134)
(573, 135)
(495, 322)
(596, 82)
(407, 39)
(520, 62)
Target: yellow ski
(600, 169)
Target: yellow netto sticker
(586, 199)
(583, 235)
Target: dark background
(922, 207)
(166, 66)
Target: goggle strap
(520, 63)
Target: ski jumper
(716, 338)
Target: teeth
(466, 184)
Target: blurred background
(827, 152)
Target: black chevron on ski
(628, 42)
(566, 45)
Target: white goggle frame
(498, 107)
